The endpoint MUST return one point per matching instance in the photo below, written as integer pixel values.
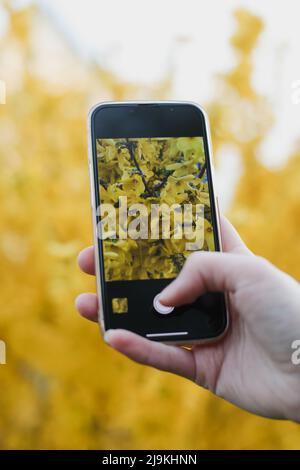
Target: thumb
(210, 272)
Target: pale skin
(251, 365)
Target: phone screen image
(154, 207)
(155, 174)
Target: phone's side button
(218, 209)
(218, 206)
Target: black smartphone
(153, 204)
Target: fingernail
(77, 302)
(107, 335)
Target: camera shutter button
(160, 308)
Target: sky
(142, 41)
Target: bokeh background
(61, 387)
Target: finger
(210, 272)
(87, 306)
(161, 356)
(86, 260)
(231, 240)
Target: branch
(130, 148)
(202, 171)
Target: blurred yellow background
(61, 387)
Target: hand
(251, 366)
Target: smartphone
(153, 203)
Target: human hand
(251, 366)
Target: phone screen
(155, 208)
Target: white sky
(141, 40)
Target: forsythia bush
(61, 387)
